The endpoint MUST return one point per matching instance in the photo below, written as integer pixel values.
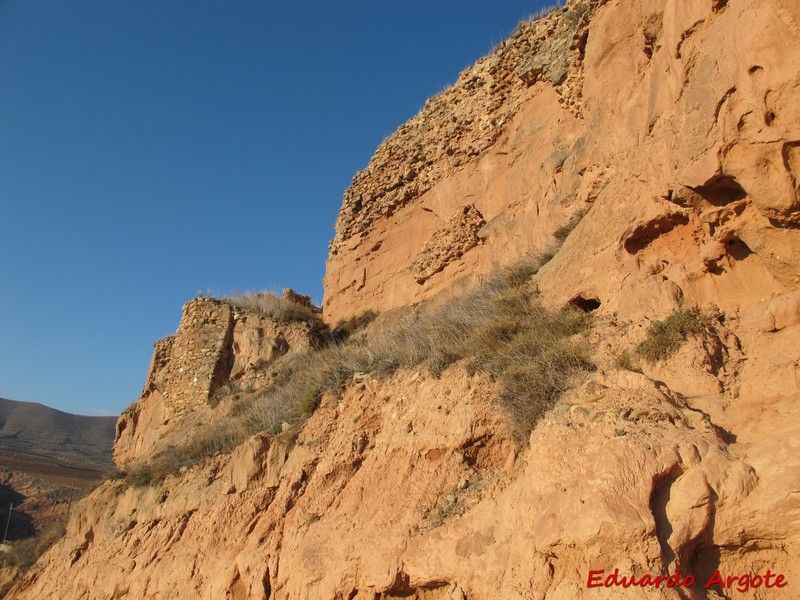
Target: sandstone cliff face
(675, 126)
(413, 488)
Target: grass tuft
(665, 337)
(282, 310)
(349, 327)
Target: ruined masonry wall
(216, 344)
(198, 358)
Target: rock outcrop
(667, 135)
(217, 344)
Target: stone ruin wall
(216, 344)
(189, 366)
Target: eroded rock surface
(674, 124)
(413, 488)
(676, 127)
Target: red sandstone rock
(676, 124)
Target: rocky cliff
(673, 124)
(651, 152)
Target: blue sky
(150, 149)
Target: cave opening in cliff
(586, 305)
(737, 249)
(721, 190)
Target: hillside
(557, 344)
(34, 433)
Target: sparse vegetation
(547, 256)
(627, 361)
(280, 309)
(665, 337)
(538, 14)
(519, 274)
(24, 553)
(501, 330)
(345, 329)
(218, 438)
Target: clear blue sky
(153, 148)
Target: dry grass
(279, 309)
(562, 233)
(349, 327)
(501, 329)
(627, 361)
(23, 554)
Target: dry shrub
(23, 554)
(665, 337)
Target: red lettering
(767, 583)
(674, 579)
(716, 579)
(612, 579)
(744, 583)
(594, 575)
(626, 582)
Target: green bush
(665, 337)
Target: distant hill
(31, 432)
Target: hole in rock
(402, 586)
(585, 304)
(721, 190)
(645, 234)
(737, 249)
